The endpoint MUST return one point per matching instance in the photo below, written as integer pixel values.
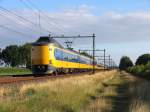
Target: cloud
(109, 27)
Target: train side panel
(67, 64)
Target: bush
(141, 70)
(147, 66)
(147, 71)
(136, 69)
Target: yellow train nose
(40, 55)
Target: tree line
(140, 68)
(14, 55)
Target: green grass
(14, 71)
(59, 95)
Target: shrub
(141, 70)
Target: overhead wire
(10, 29)
(50, 18)
(5, 15)
(36, 11)
(22, 18)
(57, 25)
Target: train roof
(44, 40)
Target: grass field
(110, 91)
(59, 95)
(14, 71)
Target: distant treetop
(125, 62)
(143, 59)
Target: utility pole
(104, 59)
(109, 61)
(93, 53)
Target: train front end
(40, 56)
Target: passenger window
(58, 54)
(65, 56)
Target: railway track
(27, 78)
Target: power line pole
(93, 53)
(104, 59)
(109, 61)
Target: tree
(1, 57)
(125, 62)
(143, 59)
(14, 55)
(25, 55)
(10, 55)
(0, 53)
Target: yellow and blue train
(48, 56)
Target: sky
(121, 26)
